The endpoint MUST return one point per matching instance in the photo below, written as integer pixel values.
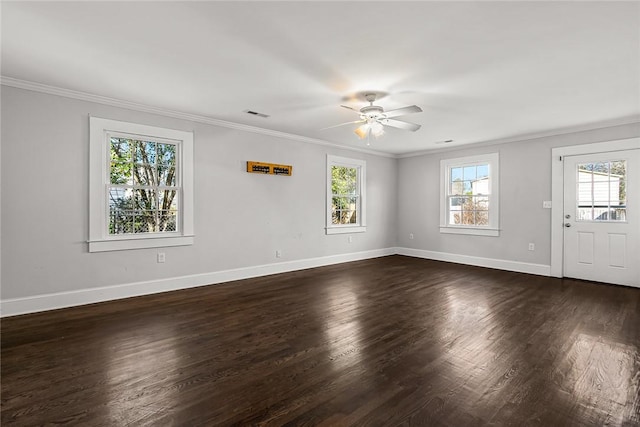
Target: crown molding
(629, 120)
(114, 102)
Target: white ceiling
(481, 71)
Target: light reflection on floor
(343, 333)
(599, 374)
(134, 366)
(468, 316)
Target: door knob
(567, 216)
(567, 225)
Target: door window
(601, 193)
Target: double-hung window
(469, 195)
(345, 195)
(141, 186)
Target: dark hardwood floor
(387, 341)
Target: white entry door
(602, 217)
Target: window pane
(584, 192)
(168, 200)
(586, 167)
(456, 201)
(145, 199)
(585, 175)
(481, 203)
(585, 214)
(167, 220)
(166, 175)
(456, 174)
(468, 218)
(469, 190)
(456, 206)
(619, 214)
(144, 175)
(601, 191)
(469, 173)
(345, 188)
(120, 198)
(482, 171)
(480, 186)
(482, 218)
(119, 223)
(619, 178)
(166, 154)
(344, 180)
(121, 150)
(457, 187)
(120, 173)
(344, 210)
(601, 167)
(353, 203)
(618, 195)
(145, 152)
(344, 216)
(145, 222)
(601, 213)
(455, 217)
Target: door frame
(557, 190)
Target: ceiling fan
(374, 118)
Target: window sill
(346, 229)
(472, 231)
(145, 243)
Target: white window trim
(99, 149)
(492, 229)
(361, 166)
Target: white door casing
(600, 239)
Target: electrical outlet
(350, 239)
(278, 254)
(546, 204)
(532, 246)
(161, 257)
(410, 236)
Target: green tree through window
(143, 192)
(344, 190)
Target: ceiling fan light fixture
(374, 118)
(363, 131)
(377, 129)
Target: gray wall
(240, 218)
(525, 182)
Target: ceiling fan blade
(344, 124)
(402, 111)
(350, 108)
(400, 124)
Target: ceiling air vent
(255, 113)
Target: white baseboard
(16, 306)
(499, 264)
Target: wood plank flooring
(387, 341)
